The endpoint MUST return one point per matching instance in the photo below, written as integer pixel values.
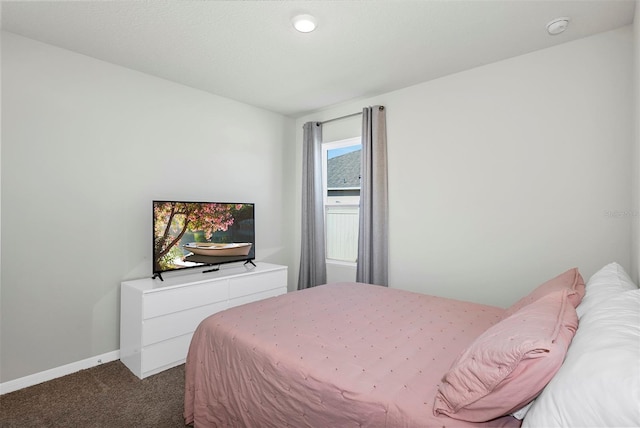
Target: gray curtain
(373, 248)
(313, 267)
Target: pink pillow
(509, 364)
(570, 279)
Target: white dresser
(158, 318)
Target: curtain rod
(341, 117)
(346, 116)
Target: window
(341, 177)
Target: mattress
(336, 355)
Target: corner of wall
(635, 198)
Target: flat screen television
(198, 234)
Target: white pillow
(598, 385)
(521, 413)
(609, 281)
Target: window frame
(337, 201)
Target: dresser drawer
(257, 296)
(165, 354)
(178, 323)
(251, 284)
(160, 302)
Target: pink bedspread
(337, 355)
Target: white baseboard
(36, 378)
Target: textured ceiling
(249, 51)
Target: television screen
(195, 234)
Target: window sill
(341, 263)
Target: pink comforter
(337, 355)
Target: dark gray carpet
(108, 395)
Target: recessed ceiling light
(557, 26)
(304, 23)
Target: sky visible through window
(342, 151)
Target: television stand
(157, 275)
(250, 261)
(157, 319)
(215, 269)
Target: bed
(350, 355)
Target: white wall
(86, 147)
(635, 268)
(503, 176)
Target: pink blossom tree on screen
(174, 219)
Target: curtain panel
(313, 267)
(372, 266)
